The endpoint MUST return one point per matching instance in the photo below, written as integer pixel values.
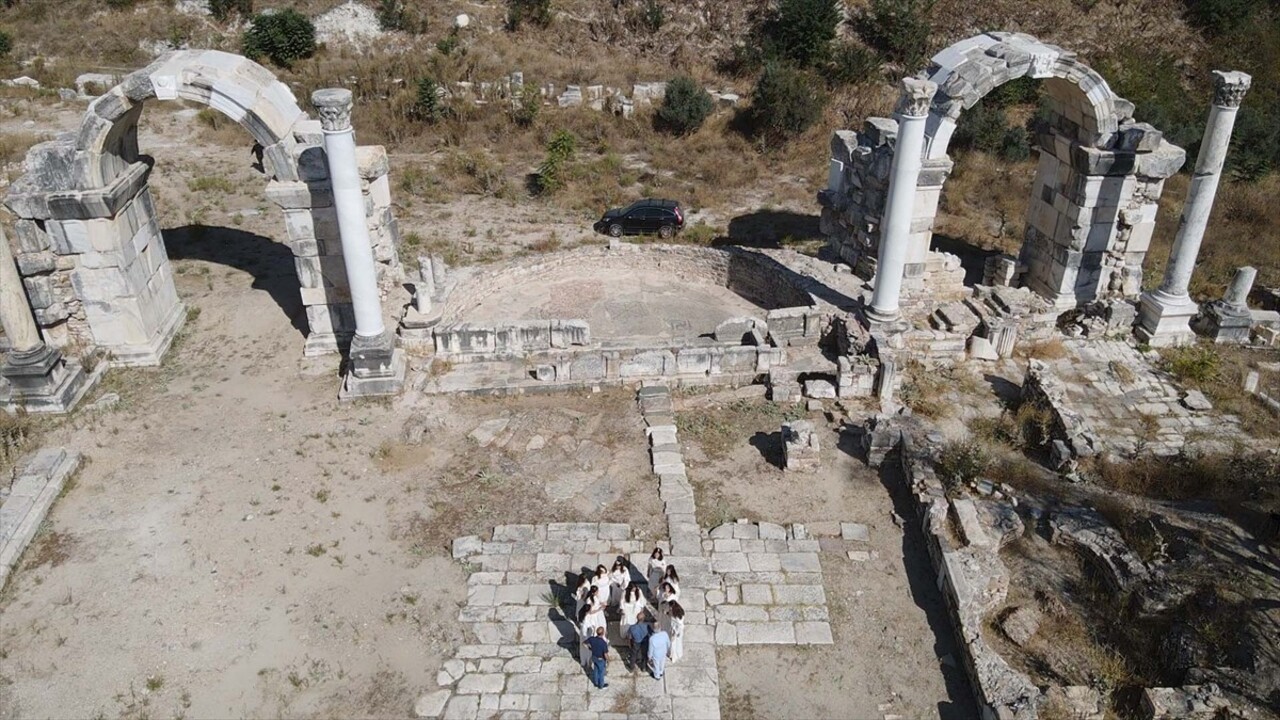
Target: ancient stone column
(895, 226)
(1237, 295)
(1166, 312)
(377, 367)
(39, 377)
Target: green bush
(525, 109)
(121, 4)
(961, 463)
(1193, 363)
(1153, 81)
(785, 103)
(428, 106)
(393, 15)
(537, 12)
(550, 176)
(6, 43)
(447, 44)
(899, 29)
(801, 31)
(685, 106)
(853, 64)
(1217, 17)
(648, 17)
(283, 37)
(222, 10)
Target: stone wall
(482, 342)
(1092, 210)
(87, 239)
(753, 275)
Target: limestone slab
(766, 633)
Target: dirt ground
(239, 544)
(893, 652)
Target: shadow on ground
(771, 229)
(972, 258)
(269, 262)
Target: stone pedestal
(375, 366)
(1229, 320)
(1165, 314)
(37, 377)
(800, 449)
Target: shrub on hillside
(685, 106)
(1221, 16)
(852, 64)
(283, 37)
(550, 176)
(222, 10)
(899, 29)
(6, 43)
(648, 17)
(537, 12)
(395, 15)
(525, 109)
(785, 103)
(801, 31)
(428, 106)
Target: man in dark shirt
(639, 634)
(599, 658)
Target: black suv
(643, 216)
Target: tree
(801, 31)
(283, 37)
(899, 29)
(785, 103)
(519, 12)
(550, 175)
(428, 105)
(223, 9)
(685, 106)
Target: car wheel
(615, 230)
(666, 231)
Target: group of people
(653, 633)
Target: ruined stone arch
(1092, 208)
(89, 244)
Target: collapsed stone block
(1191, 702)
(800, 446)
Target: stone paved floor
(1127, 405)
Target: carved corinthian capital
(1229, 88)
(917, 94)
(334, 107)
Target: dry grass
(1219, 372)
(718, 430)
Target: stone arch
(89, 243)
(1092, 208)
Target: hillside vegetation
(803, 67)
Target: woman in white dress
(657, 569)
(666, 596)
(600, 580)
(580, 593)
(672, 578)
(586, 631)
(632, 605)
(619, 581)
(676, 623)
(595, 605)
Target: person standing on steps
(599, 659)
(657, 570)
(659, 647)
(633, 604)
(676, 625)
(638, 635)
(586, 631)
(619, 582)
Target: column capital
(334, 107)
(1229, 88)
(917, 95)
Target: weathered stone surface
(766, 633)
(432, 704)
(1020, 624)
(1192, 702)
(800, 446)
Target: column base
(1165, 321)
(416, 329)
(44, 382)
(1224, 324)
(388, 383)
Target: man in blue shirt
(639, 634)
(659, 645)
(599, 658)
